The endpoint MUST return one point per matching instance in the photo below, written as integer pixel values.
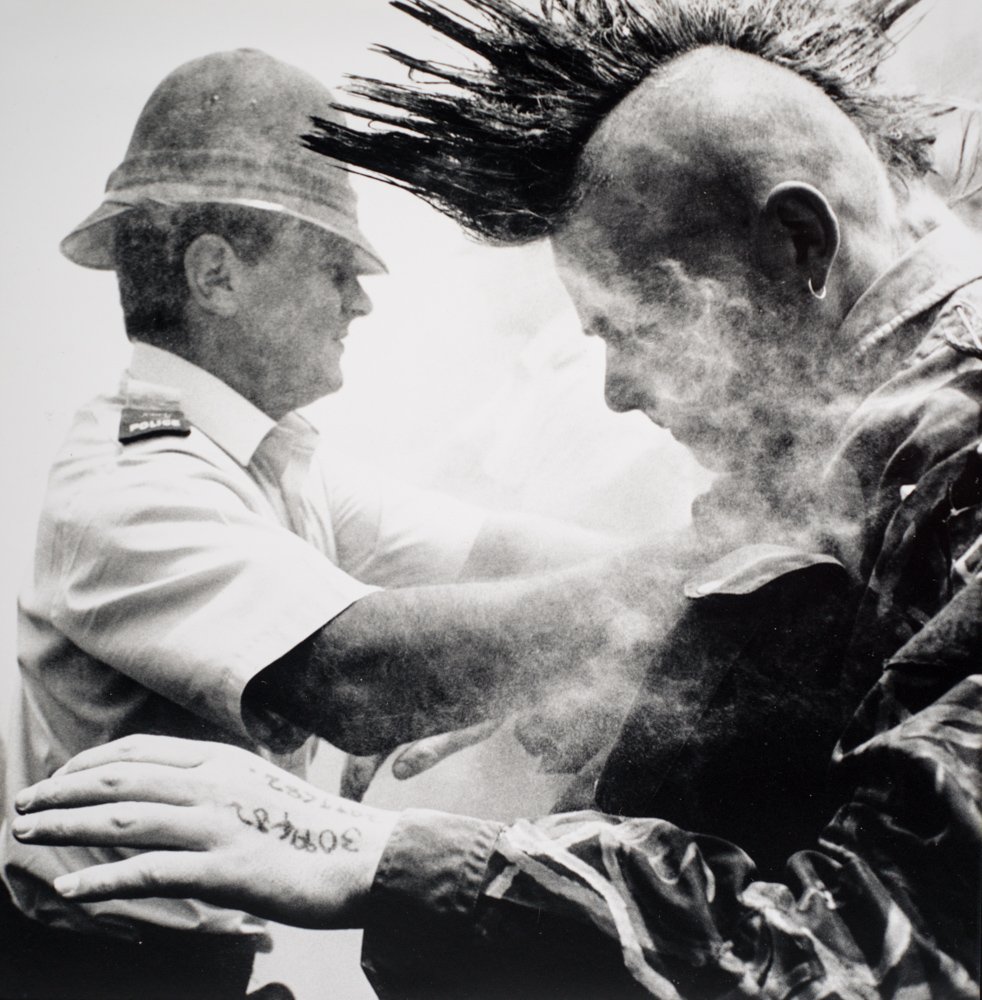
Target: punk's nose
(618, 393)
(619, 382)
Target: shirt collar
(937, 265)
(215, 408)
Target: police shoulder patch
(136, 423)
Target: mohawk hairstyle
(496, 146)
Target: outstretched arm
(401, 664)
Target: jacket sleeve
(596, 907)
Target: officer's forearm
(401, 664)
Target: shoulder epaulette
(137, 423)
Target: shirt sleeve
(395, 535)
(588, 905)
(167, 572)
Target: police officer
(206, 567)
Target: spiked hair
(496, 147)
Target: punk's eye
(600, 326)
(618, 337)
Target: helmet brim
(90, 243)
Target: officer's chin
(331, 382)
(326, 387)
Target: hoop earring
(820, 294)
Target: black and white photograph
(494, 500)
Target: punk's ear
(798, 237)
(211, 269)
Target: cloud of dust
(758, 399)
(739, 385)
(742, 381)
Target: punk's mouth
(703, 435)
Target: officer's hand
(213, 823)
(357, 774)
(414, 758)
(569, 728)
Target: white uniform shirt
(186, 542)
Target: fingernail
(402, 771)
(24, 800)
(22, 826)
(66, 885)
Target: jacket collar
(937, 265)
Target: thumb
(429, 751)
(357, 775)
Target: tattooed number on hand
(302, 795)
(295, 793)
(300, 838)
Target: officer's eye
(339, 272)
(333, 270)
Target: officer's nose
(359, 303)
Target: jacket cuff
(424, 895)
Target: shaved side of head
(693, 152)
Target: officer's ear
(798, 237)
(212, 272)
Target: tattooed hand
(212, 822)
